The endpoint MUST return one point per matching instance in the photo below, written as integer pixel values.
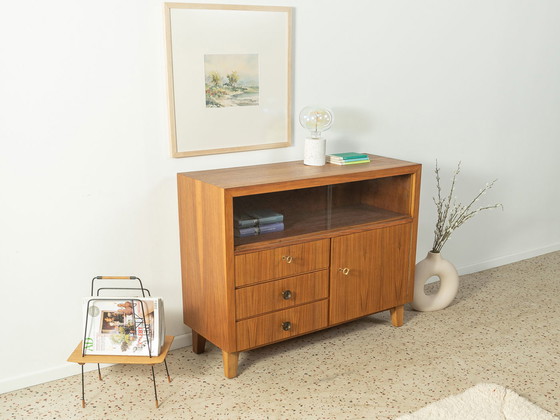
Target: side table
(76, 357)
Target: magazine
(125, 326)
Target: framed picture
(229, 77)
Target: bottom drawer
(280, 325)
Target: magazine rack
(78, 355)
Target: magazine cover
(124, 326)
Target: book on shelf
(348, 158)
(259, 217)
(123, 326)
(259, 230)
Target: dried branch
(451, 217)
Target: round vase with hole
(435, 266)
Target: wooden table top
(76, 356)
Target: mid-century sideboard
(347, 250)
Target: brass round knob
(286, 326)
(287, 294)
(287, 258)
(344, 271)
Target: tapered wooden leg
(198, 342)
(397, 315)
(230, 363)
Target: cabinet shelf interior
(330, 207)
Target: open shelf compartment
(327, 208)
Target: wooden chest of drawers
(347, 250)
(289, 298)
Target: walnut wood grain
(393, 193)
(414, 204)
(281, 294)
(341, 220)
(281, 262)
(259, 179)
(397, 316)
(274, 242)
(198, 343)
(377, 277)
(266, 329)
(362, 218)
(231, 360)
(206, 262)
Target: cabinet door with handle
(369, 272)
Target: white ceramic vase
(435, 265)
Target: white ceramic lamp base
(314, 152)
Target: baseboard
(68, 369)
(182, 340)
(508, 259)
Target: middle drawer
(281, 294)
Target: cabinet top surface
(289, 172)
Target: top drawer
(257, 267)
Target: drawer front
(257, 267)
(281, 294)
(280, 325)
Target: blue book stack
(257, 222)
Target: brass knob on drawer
(286, 326)
(344, 271)
(287, 258)
(287, 294)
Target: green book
(350, 162)
(348, 156)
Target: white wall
(87, 184)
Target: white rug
(482, 402)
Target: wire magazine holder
(139, 319)
(139, 324)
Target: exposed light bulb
(316, 119)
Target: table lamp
(316, 119)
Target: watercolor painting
(231, 80)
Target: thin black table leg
(83, 389)
(155, 390)
(167, 370)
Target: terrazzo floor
(503, 328)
